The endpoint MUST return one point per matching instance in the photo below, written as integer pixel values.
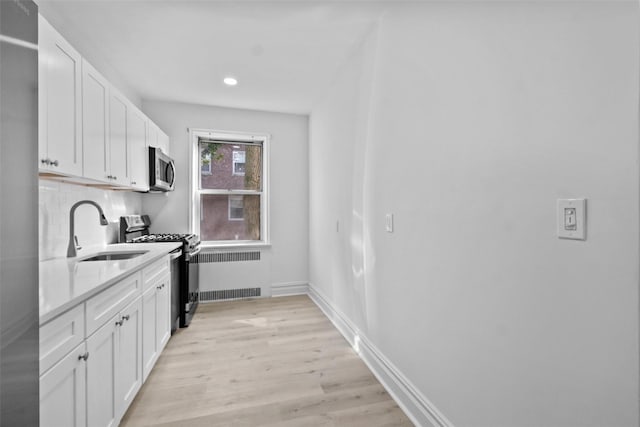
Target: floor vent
(229, 294)
(205, 257)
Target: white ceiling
(283, 53)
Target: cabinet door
(118, 139)
(63, 392)
(95, 123)
(101, 375)
(138, 153)
(149, 335)
(154, 130)
(163, 329)
(129, 356)
(60, 139)
(163, 141)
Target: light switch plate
(572, 219)
(388, 222)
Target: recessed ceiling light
(230, 81)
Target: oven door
(176, 262)
(191, 290)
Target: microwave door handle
(173, 175)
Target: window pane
(229, 217)
(228, 166)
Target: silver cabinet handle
(45, 161)
(54, 163)
(125, 317)
(84, 356)
(119, 322)
(133, 183)
(115, 177)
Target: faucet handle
(77, 245)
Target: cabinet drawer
(155, 271)
(107, 303)
(61, 335)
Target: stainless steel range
(185, 274)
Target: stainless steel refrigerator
(19, 399)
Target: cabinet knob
(119, 322)
(133, 183)
(125, 317)
(54, 163)
(84, 356)
(114, 177)
(45, 161)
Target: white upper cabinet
(138, 152)
(59, 92)
(118, 107)
(154, 130)
(163, 141)
(95, 123)
(88, 131)
(157, 138)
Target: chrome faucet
(72, 250)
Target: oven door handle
(193, 254)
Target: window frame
(195, 191)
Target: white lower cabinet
(129, 356)
(114, 373)
(101, 375)
(163, 326)
(63, 391)
(149, 340)
(157, 322)
(95, 382)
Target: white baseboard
(290, 288)
(413, 403)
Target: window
(238, 162)
(229, 188)
(205, 168)
(236, 208)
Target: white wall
(468, 121)
(286, 261)
(54, 204)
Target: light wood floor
(262, 362)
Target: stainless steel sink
(114, 256)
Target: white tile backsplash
(54, 204)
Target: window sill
(209, 247)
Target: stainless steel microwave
(162, 171)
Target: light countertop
(66, 282)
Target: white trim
(289, 288)
(417, 407)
